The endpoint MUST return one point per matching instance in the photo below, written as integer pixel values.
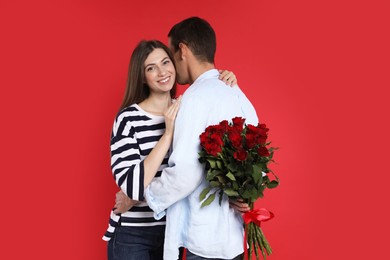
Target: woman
(140, 140)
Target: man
(214, 231)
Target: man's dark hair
(198, 35)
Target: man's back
(216, 230)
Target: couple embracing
(155, 146)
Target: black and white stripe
(134, 135)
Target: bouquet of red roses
(237, 158)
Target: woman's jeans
(137, 243)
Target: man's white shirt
(214, 231)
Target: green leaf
(263, 183)
(208, 200)
(219, 164)
(211, 174)
(253, 194)
(230, 176)
(258, 177)
(272, 184)
(257, 174)
(204, 193)
(248, 169)
(261, 191)
(212, 163)
(221, 179)
(232, 167)
(231, 192)
(249, 158)
(257, 167)
(238, 173)
(246, 194)
(215, 184)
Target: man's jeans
(137, 243)
(191, 256)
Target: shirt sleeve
(184, 173)
(247, 108)
(126, 164)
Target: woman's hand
(239, 205)
(170, 116)
(123, 203)
(228, 77)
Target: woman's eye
(166, 61)
(149, 68)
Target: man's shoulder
(209, 86)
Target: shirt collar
(208, 74)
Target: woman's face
(160, 74)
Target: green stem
(254, 240)
(259, 237)
(248, 236)
(265, 242)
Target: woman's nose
(162, 71)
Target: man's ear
(183, 48)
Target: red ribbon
(256, 216)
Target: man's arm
(184, 173)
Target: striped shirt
(134, 135)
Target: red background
(316, 71)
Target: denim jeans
(136, 243)
(191, 256)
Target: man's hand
(123, 203)
(239, 205)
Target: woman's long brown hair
(136, 88)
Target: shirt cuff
(158, 214)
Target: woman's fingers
(170, 116)
(231, 79)
(123, 203)
(176, 106)
(225, 75)
(173, 109)
(228, 77)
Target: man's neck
(198, 68)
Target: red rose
(204, 137)
(216, 138)
(211, 140)
(235, 137)
(261, 139)
(224, 125)
(261, 134)
(210, 129)
(263, 126)
(238, 123)
(263, 151)
(250, 140)
(251, 128)
(240, 155)
(219, 129)
(251, 136)
(213, 148)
